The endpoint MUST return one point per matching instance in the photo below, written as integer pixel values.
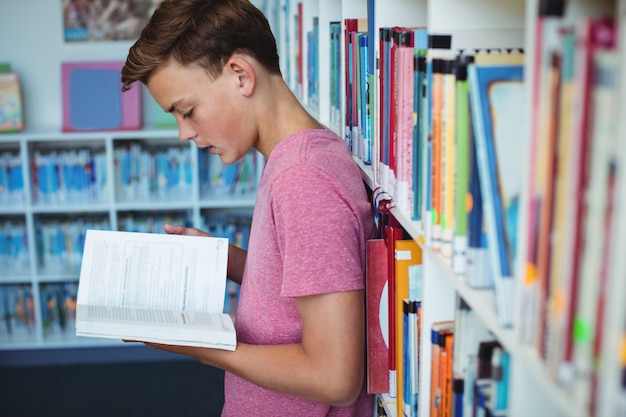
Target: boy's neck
(282, 116)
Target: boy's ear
(243, 73)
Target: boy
(213, 64)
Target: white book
(154, 288)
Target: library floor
(154, 389)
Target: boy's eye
(188, 114)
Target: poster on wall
(105, 20)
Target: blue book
(477, 266)
(364, 99)
(497, 93)
(419, 73)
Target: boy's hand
(177, 229)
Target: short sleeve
(319, 233)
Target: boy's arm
(327, 367)
(236, 255)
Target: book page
(161, 326)
(149, 270)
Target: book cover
(393, 233)
(11, 116)
(404, 126)
(154, 288)
(407, 253)
(497, 99)
(377, 317)
(92, 98)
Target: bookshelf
(534, 389)
(49, 214)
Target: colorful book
(11, 115)
(497, 93)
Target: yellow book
(407, 253)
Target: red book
(383, 33)
(393, 233)
(301, 51)
(377, 316)
(350, 25)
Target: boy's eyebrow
(173, 106)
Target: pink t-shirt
(311, 220)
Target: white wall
(32, 42)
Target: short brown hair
(201, 32)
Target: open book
(154, 288)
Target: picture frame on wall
(105, 20)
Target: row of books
(144, 173)
(60, 241)
(469, 369)
(141, 173)
(151, 222)
(447, 143)
(572, 192)
(69, 176)
(435, 148)
(58, 309)
(223, 180)
(17, 312)
(11, 179)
